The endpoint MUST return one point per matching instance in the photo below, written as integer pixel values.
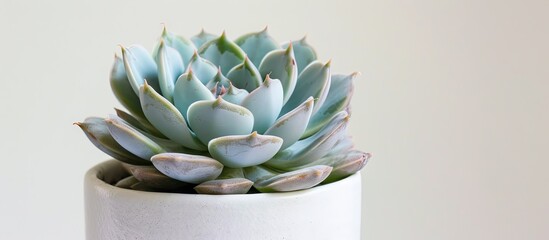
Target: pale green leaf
(222, 52)
(237, 151)
(187, 168)
(280, 64)
(122, 88)
(265, 103)
(98, 133)
(170, 67)
(211, 119)
(295, 180)
(338, 99)
(291, 126)
(310, 149)
(140, 67)
(304, 53)
(245, 75)
(314, 82)
(257, 45)
(167, 119)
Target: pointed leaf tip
(267, 81)
(164, 29)
(234, 94)
(328, 63)
(289, 49)
(304, 53)
(97, 132)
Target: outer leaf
(231, 181)
(245, 75)
(170, 67)
(237, 151)
(202, 37)
(339, 97)
(291, 126)
(122, 89)
(343, 145)
(280, 64)
(167, 119)
(132, 140)
(313, 81)
(222, 52)
(143, 187)
(184, 47)
(140, 67)
(312, 148)
(257, 45)
(127, 182)
(347, 164)
(187, 168)
(335, 159)
(97, 132)
(304, 53)
(265, 103)
(295, 180)
(225, 186)
(155, 179)
(140, 124)
(166, 144)
(259, 172)
(202, 68)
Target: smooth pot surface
(325, 212)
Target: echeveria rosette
(220, 116)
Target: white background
(453, 102)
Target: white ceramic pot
(325, 212)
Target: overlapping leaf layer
(219, 116)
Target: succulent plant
(218, 116)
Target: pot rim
(110, 170)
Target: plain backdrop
(452, 102)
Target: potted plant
(223, 139)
